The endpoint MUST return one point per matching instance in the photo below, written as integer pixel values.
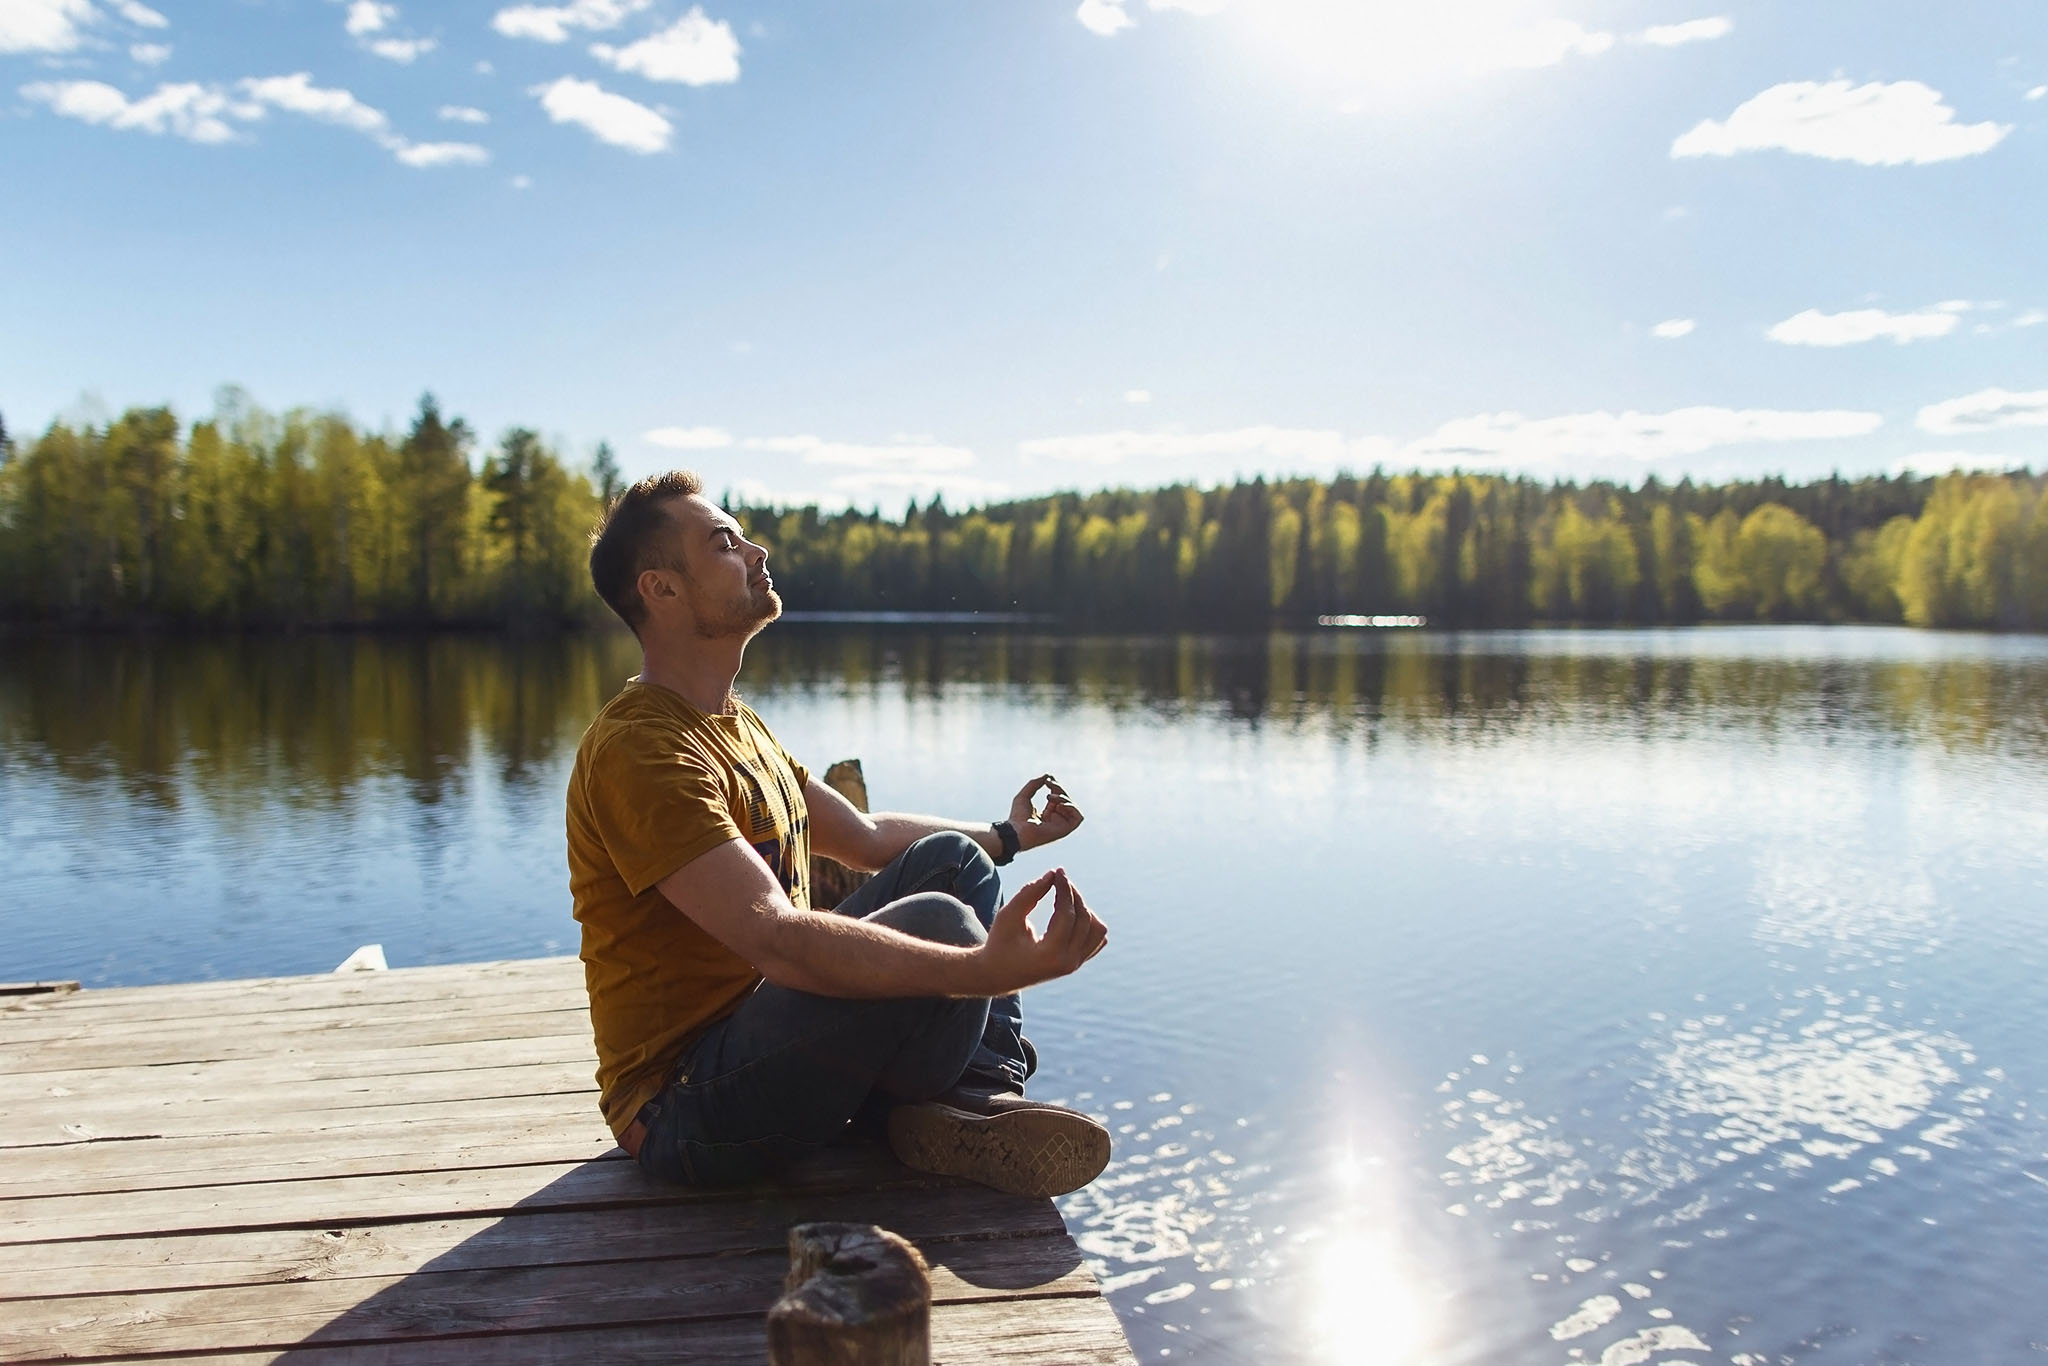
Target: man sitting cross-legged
(737, 1028)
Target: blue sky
(865, 251)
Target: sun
(1367, 50)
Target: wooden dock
(408, 1166)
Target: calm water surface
(1619, 998)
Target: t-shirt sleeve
(655, 808)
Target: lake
(1605, 997)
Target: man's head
(666, 557)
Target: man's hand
(1017, 957)
(1056, 820)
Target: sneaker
(1024, 1147)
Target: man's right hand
(1016, 956)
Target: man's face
(725, 576)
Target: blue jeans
(781, 1076)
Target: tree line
(248, 518)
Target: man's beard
(743, 618)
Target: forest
(249, 519)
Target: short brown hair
(627, 541)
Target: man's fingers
(1019, 907)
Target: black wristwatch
(1007, 834)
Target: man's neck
(701, 672)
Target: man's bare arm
(859, 840)
(730, 893)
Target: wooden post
(832, 882)
(856, 1295)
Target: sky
(865, 251)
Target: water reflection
(240, 714)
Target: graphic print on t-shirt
(775, 825)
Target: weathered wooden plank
(224, 1000)
(405, 1195)
(397, 983)
(166, 1114)
(291, 1065)
(46, 1046)
(754, 1220)
(574, 1134)
(432, 1303)
(1071, 1332)
(23, 1022)
(479, 1110)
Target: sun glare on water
(1366, 1307)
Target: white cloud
(138, 14)
(1137, 395)
(689, 438)
(1691, 31)
(2033, 317)
(462, 113)
(426, 154)
(552, 23)
(1266, 446)
(43, 25)
(1987, 410)
(903, 458)
(1673, 328)
(609, 118)
(1902, 123)
(2038, 92)
(368, 16)
(694, 50)
(1105, 18)
(187, 110)
(1815, 328)
(297, 94)
(522, 182)
(1512, 439)
(403, 50)
(149, 54)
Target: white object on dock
(368, 958)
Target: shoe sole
(1021, 1152)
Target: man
(736, 1028)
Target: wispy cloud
(197, 113)
(368, 16)
(1264, 447)
(138, 14)
(1673, 328)
(402, 50)
(607, 117)
(689, 438)
(149, 54)
(297, 94)
(462, 113)
(1510, 439)
(896, 457)
(1691, 31)
(209, 113)
(1137, 395)
(57, 26)
(1903, 123)
(694, 50)
(1104, 18)
(1987, 410)
(1815, 328)
(554, 23)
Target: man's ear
(654, 586)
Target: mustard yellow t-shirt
(657, 783)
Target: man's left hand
(1037, 826)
